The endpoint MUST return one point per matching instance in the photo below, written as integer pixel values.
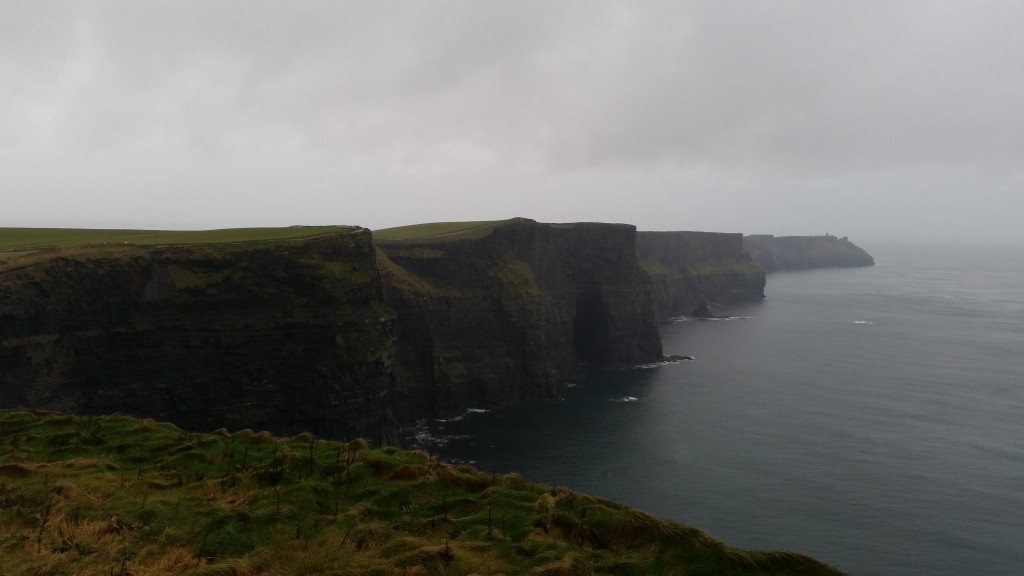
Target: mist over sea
(870, 417)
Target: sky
(880, 120)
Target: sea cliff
(687, 268)
(287, 335)
(333, 333)
(505, 312)
(337, 330)
(775, 253)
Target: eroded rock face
(775, 253)
(687, 268)
(285, 336)
(507, 317)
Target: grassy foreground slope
(118, 495)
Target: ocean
(870, 417)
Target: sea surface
(870, 417)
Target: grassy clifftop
(36, 237)
(117, 495)
(438, 231)
(23, 246)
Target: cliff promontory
(285, 335)
(774, 253)
(503, 312)
(687, 268)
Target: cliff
(775, 253)
(286, 335)
(501, 313)
(328, 333)
(689, 267)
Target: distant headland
(776, 253)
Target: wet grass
(25, 238)
(24, 246)
(118, 495)
(439, 231)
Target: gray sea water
(870, 417)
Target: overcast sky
(880, 120)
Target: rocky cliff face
(284, 335)
(507, 313)
(803, 252)
(329, 334)
(689, 267)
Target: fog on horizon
(881, 121)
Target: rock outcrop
(687, 268)
(504, 313)
(774, 253)
(282, 335)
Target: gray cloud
(878, 119)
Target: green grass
(438, 230)
(26, 246)
(22, 238)
(113, 494)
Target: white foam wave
(663, 363)
(424, 437)
(462, 416)
(713, 319)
